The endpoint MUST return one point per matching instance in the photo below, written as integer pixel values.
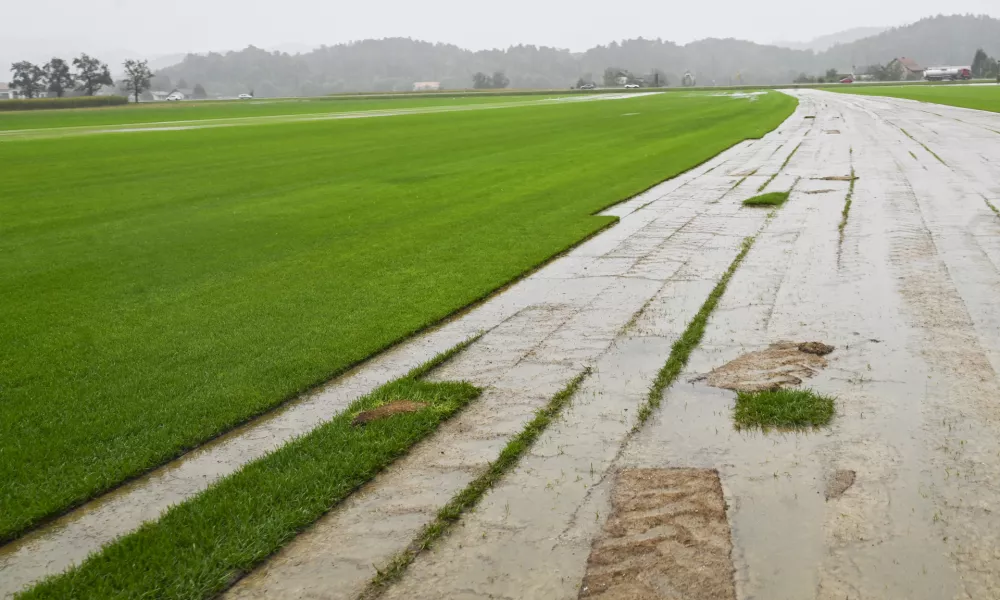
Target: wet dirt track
(909, 296)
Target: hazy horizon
(52, 26)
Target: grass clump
(169, 286)
(473, 493)
(681, 351)
(782, 409)
(771, 199)
(200, 547)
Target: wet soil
(781, 364)
(839, 482)
(385, 411)
(667, 537)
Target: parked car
(245, 97)
(631, 86)
(847, 80)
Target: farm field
(979, 97)
(173, 112)
(161, 288)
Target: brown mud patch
(839, 482)
(832, 132)
(387, 410)
(777, 366)
(819, 191)
(667, 538)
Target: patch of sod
(474, 492)
(979, 97)
(681, 351)
(771, 199)
(158, 289)
(200, 547)
(782, 409)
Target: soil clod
(387, 410)
(841, 480)
(817, 348)
(779, 365)
(667, 537)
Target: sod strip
(680, 352)
(782, 409)
(474, 492)
(201, 547)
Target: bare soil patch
(387, 410)
(832, 132)
(837, 178)
(779, 365)
(819, 191)
(667, 538)
(839, 482)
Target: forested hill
(396, 63)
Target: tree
(981, 64)
(199, 92)
(832, 75)
(92, 74)
(611, 75)
(500, 81)
(182, 85)
(29, 78)
(58, 76)
(137, 76)
(894, 71)
(481, 81)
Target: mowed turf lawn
(172, 112)
(159, 288)
(980, 97)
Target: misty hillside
(825, 42)
(394, 64)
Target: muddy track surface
(899, 498)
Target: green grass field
(160, 288)
(173, 112)
(980, 97)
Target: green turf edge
(315, 386)
(680, 352)
(449, 515)
(199, 548)
(770, 199)
(783, 409)
(991, 205)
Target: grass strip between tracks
(474, 492)
(689, 340)
(201, 547)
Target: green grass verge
(782, 409)
(474, 492)
(681, 351)
(200, 547)
(965, 96)
(771, 199)
(159, 289)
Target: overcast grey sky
(199, 25)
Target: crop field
(159, 288)
(980, 97)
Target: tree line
(89, 76)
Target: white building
(427, 86)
